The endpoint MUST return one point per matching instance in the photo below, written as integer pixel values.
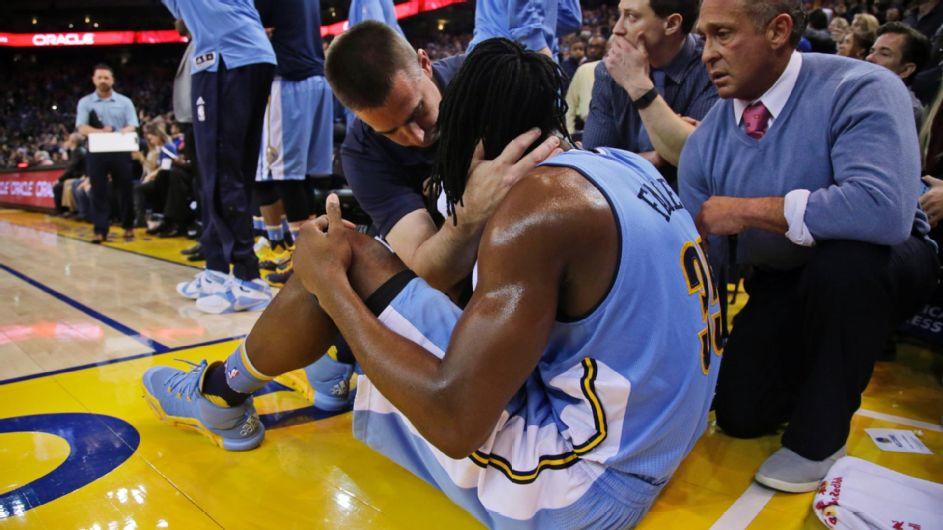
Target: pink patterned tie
(756, 120)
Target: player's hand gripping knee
(323, 254)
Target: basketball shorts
(512, 481)
(297, 135)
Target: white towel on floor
(859, 495)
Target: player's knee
(372, 264)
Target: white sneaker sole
(788, 487)
(223, 307)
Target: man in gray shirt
(108, 111)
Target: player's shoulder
(554, 199)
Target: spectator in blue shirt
(108, 111)
(651, 77)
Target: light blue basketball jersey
(227, 29)
(618, 398)
(631, 384)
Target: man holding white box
(106, 111)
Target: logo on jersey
(200, 109)
(234, 373)
(204, 61)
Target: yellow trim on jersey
(563, 460)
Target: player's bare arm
(446, 257)
(552, 229)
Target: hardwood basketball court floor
(80, 448)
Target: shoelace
(180, 381)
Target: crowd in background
(37, 110)
(846, 27)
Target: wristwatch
(646, 99)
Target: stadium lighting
(55, 107)
(88, 19)
(35, 20)
(95, 25)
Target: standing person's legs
(97, 166)
(213, 279)
(123, 185)
(242, 101)
(206, 112)
(189, 150)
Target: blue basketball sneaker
(326, 383)
(176, 398)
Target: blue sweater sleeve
(601, 129)
(693, 185)
(876, 164)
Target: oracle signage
(63, 39)
(88, 38)
(29, 188)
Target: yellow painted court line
(901, 420)
(745, 509)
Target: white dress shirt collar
(776, 97)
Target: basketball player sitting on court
(578, 376)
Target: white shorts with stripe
(297, 133)
(528, 474)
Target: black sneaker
(191, 250)
(196, 257)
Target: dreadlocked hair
(501, 91)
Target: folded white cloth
(859, 495)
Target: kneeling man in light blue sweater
(805, 176)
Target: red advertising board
(28, 188)
(88, 38)
(112, 38)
